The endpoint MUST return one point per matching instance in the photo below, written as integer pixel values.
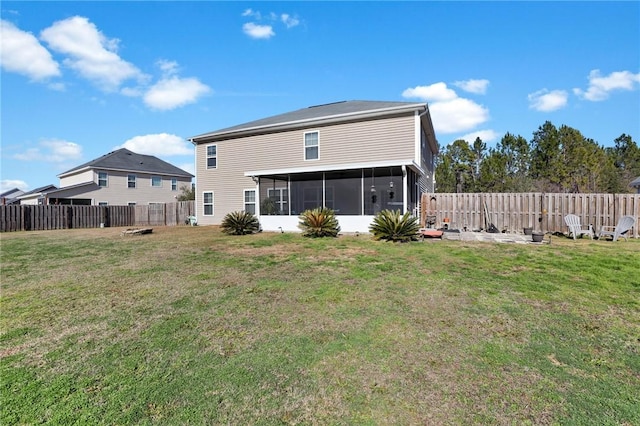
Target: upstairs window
(174, 184)
(311, 146)
(156, 181)
(102, 179)
(131, 181)
(212, 157)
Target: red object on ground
(431, 233)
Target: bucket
(528, 231)
(537, 237)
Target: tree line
(555, 160)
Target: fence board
(512, 212)
(32, 217)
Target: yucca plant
(319, 222)
(240, 223)
(391, 226)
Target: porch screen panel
(343, 192)
(306, 192)
(383, 190)
(274, 195)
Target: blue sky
(80, 79)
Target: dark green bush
(240, 223)
(320, 222)
(389, 225)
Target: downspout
(418, 190)
(195, 162)
(404, 188)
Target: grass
(188, 325)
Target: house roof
(125, 160)
(337, 111)
(636, 182)
(38, 191)
(12, 193)
(66, 188)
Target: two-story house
(120, 178)
(355, 157)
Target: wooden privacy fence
(41, 218)
(512, 212)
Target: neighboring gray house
(35, 196)
(355, 157)
(10, 196)
(118, 178)
(636, 184)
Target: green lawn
(190, 326)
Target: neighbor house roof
(125, 160)
(38, 191)
(337, 111)
(635, 183)
(12, 193)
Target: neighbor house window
(103, 203)
(102, 179)
(156, 181)
(207, 203)
(250, 201)
(311, 146)
(131, 204)
(174, 184)
(131, 181)
(212, 157)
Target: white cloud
(601, 86)
(258, 31)
(174, 92)
(437, 92)
(449, 113)
(20, 52)
(90, 53)
(289, 20)
(252, 13)
(161, 144)
(473, 86)
(52, 151)
(546, 101)
(168, 67)
(487, 136)
(8, 184)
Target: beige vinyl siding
(340, 145)
(117, 192)
(78, 178)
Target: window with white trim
(311, 146)
(156, 181)
(280, 198)
(250, 201)
(207, 203)
(174, 184)
(131, 181)
(103, 179)
(212, 156)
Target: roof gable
(123, 159)
(38, 191)
(338, 110)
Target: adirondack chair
(575, 228)
(620, 230)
